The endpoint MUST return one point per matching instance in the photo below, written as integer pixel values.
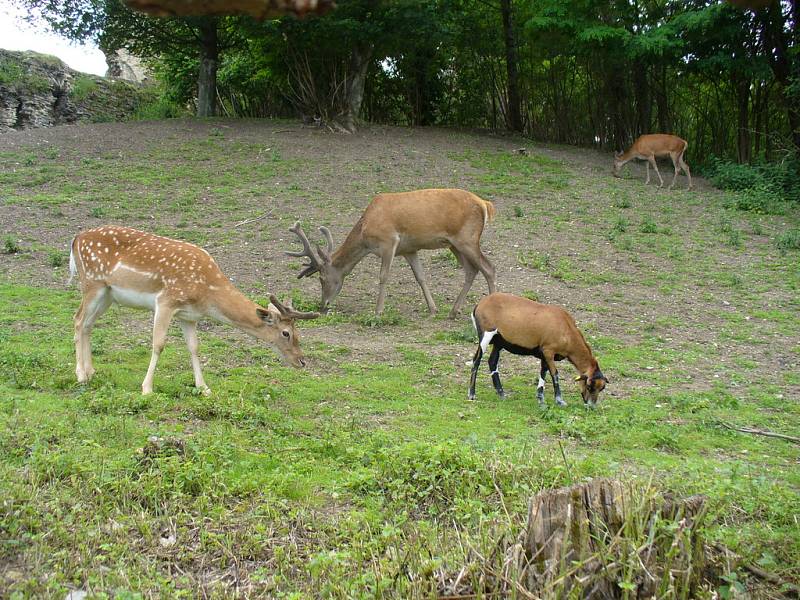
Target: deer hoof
(205, 391)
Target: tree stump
(606, 539)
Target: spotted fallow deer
(652, 146)
(172, 279)
(402, 224)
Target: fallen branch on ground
(772, 434)
(254, 219)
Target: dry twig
(254, 219)
(772, 434)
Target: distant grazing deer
(401, 224)
(652, 146)
(545, 331)
(172, 279)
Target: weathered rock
(37, 90)
(124, 65)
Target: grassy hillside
(369, 474)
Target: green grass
(369, 474)
(358, 453)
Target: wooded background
(586, 72)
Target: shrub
(788, 240)
(83, 86)
(56, 258)
(11, 246)
(648, 226)
(158, 108)
(761, 187)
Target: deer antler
(326, 254)
(314, 265)
(289, 312)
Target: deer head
(279, 330)
(330, 277)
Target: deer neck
(232, 307)
(627, 156)
(350, 253)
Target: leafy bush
(10, 245)
(788, 240)
(761, 187)
(56, 258)
(159, 108)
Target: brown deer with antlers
(401, 224)
(174, 280)
(652, 146)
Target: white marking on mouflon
(487, 338)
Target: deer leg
(419, 274)
(647, 166)
(540, 385)
(685, 168)
(96, 300)
(652, 161)
(494, 361)
(478, 262)
(386, 264)
(549, 358)
(675, 159)
(469, 276)
(161, 320)
(488, 270)
(189, 329)
(473, 254)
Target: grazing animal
(172, 279)
(401, 224)
(654, 145)
(546, 331)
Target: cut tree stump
(606, 539)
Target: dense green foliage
(596, 72)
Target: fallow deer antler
(314, 263)
(289, 312)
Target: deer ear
(267, 316)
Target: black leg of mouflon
(494, 360)
(559, 399)
(476, 362)
(540, 387)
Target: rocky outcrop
(124, 65)
(37, 90)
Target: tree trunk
(781, 60)
(207, 77)
(642, 95)
(514, 113)
(742, 87)
(584, 541)
(359, 61)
